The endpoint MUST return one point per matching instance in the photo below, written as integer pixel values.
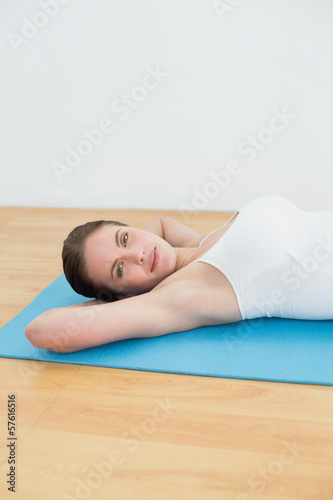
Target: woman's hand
(174, 232)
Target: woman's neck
(185, 256)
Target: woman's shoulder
(203, 289)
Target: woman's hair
(74, 265)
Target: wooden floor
(102, 433)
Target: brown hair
(74, 265)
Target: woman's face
(128, 260)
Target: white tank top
(278, 259)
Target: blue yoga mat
(273, 349)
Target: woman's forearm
(174, 232)
(68, 329)
(93, 302)
(65, 329)
(154, 226)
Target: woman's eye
(125, 238)
(120, 270)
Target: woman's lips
(155, 258)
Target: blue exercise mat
(273, 349)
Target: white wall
(228, 70)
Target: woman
(270, 259)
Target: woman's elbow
(34, 334)
(43, 336)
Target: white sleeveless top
(278, 259)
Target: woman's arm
(159, 312)
(174, 232)
(93, 302)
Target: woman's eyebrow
(115, 262)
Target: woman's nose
(137, 256)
